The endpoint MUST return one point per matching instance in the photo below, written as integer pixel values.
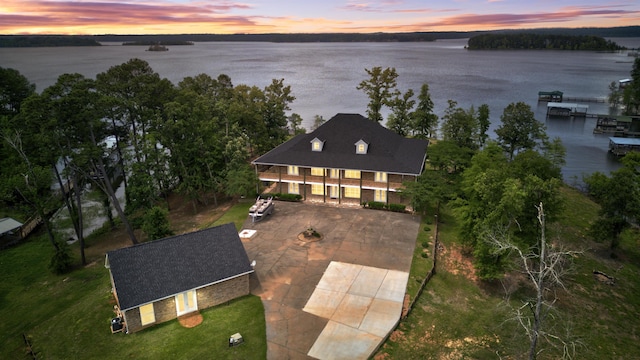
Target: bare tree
(545, 269)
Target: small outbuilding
(161, 280)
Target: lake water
(324, 76)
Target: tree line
(194, 138)
(541, 41)
(46, 41)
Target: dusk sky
(302, 16)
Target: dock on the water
(620, 146)
(554, 96)
(587, 99)
(566, 109)
(618, 125)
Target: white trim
(186, 301)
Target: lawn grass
(457, 317)
(237, 214)
(68, 316)
(422, 261)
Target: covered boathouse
(566, 109)
(620, 146)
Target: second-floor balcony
(273, 174)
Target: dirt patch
(455, 262)
(191, 319)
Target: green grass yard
(68, 316)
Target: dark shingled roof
(155, 270)
(387, 152)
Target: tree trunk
(112, 195)
(65, 198)
(539, 286)
(80, 226)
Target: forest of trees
(194, 138)
(541, 41)
(46, 41)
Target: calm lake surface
(324, 76)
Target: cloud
(107, 13)
(507, 20)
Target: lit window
(294, 188)
(335, 173)
(381, 176)
(317, 189)
(317, 144)
(352, 192)
(352, 174)
(317, 171)
(361, 147)
(334, 191)
(186, 302)
(292, 170)
(380, 195)
(147, 315)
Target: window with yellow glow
(381, 176)
(317, 189)
(292, 170)
(352, 192)
(317, 171)
(294, 188)
(334, 173)
(334, 191)
(352, 174)
(147, 315)
(380, 195)
(186, 302)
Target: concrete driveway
(288, 271)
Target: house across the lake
(163, 279)
(348, 159)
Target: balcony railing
(328, 181)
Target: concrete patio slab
(368, 281)
(342, 342)
(369, 303)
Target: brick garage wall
(222, 292)
(209, 296)
(164, 310)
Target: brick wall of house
(225, 291)
(209, 296)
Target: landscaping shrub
(376, 205)
(397, 207)
(285, 197)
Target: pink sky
(301, 16)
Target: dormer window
(317, 144)
(361, 147)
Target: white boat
(261, 208)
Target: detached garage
(161, 280)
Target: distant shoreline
(168, 39)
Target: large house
(163, 279)
(348, 159)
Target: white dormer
(317, 144)
(362, 147)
